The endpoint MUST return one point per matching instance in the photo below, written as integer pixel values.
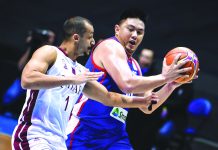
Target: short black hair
(133, 13)
(74, 25)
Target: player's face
(87, 40)
(131, 33)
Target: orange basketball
(186, 54)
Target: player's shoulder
(109, 46)
(110, 43)
(46, 52)
(47, 49)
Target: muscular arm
(163, 94)
(34, 74)
(112, 57)
(96, 91)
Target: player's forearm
(163, 94)
(115, 99)
(139, 84)
(96, 91)
(37, 80)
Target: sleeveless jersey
(92, 120)
(46, 112)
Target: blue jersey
(94, 123)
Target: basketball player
(54, 81)
(102, 127)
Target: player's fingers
(189, 82)
(87, 70)
(182, 63)
(196, 76)
(176, 59)
(154, 101)
(154, 94)
(184, 70)
(164, 62)
(154, 97)
(92, 78)
(93, 74)
(150, 107)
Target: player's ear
(76, 37)
(116, 28)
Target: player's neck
(69, 49)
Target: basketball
(186, 54)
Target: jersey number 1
(67, 99)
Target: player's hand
(194, 78)
(175, 84)
(174, 71)
(151, 100)
(86, 76)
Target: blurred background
(26, 25)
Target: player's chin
(131, 49)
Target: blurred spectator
(142, 129)
(176, 108)
(146, 62)
(12, 99)
(35, 39)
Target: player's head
(146, 58)
(79, 31)
(130, 29)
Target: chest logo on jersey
(74, 88)
(64, 64)
(119, 114)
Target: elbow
(126, 87)
(25, 83)
(146, 111)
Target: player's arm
(96, 91)
(163, 94)
(34, 73)
(114, 60)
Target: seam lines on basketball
(195, 66)
(174, 53)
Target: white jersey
(46, 112)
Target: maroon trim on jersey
(27, 113)
(17, 140)
(20, 137)
(61, 49)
